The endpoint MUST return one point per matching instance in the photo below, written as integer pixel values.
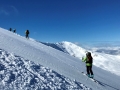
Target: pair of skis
(94, 80)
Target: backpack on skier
(27, 32)
(89, 58)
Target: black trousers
(27, 36)
(89, 70)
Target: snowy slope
(20, 74)
(109, 62)
(27, 64)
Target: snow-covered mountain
(106, 59)
(31, 65)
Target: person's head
(88, 54)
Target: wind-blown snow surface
(30, 65)
(17, 73)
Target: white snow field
(109, 62)
(31, 65)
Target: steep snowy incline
(39, 53)
(56, 60)
(16, 73)
(105, 61)
(44, 55)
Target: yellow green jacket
(85, 59)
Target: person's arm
(84, 59)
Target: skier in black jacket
(27, 34)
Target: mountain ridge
(79, 52)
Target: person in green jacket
(89, 60)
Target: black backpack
(89, 57)
(27, 32)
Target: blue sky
(63, 20)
